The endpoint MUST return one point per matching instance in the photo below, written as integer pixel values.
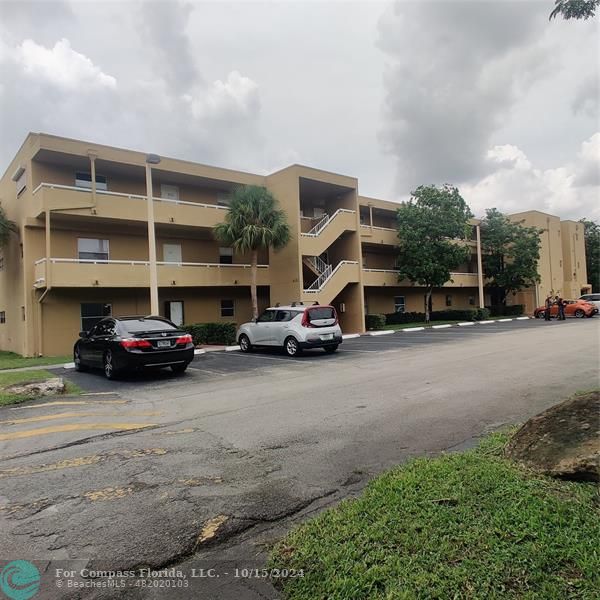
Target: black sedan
(131, 343)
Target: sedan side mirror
(83, 334)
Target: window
(226, 256)
(22, 313)
(172, 253)
(227, 308)
(284, 315)
(399, 304)
(472, 300)
(267, 316)
(92, 313)
(20, 179)
(2, 316)
(448, 299)
(84, 180)
(170, 192)
(105, 328)
(92, 249)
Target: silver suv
(592, 299)
(293, 328)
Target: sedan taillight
(184, 339)
(129, 343)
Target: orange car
(573, 308)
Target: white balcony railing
(57, 186)
(322, 280)
(316, 230)
(94, 261)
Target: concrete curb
(199, 351)
(504, 320)
(441, 326)
(409, 329)
(465, 324)
(485, 322)
(231, 348)
(350, 336)
(386, 332)
(522, 318)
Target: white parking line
(250, 355)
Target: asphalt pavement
(210, 468)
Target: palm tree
(254, 222)
(6, 228)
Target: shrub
(501, 310)
(375, 321)
(212, 333)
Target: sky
(487, 95)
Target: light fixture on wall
(173, 282)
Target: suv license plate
(163, 344)
(327, 336)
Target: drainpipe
(479, 268)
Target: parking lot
(220, 364)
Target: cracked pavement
(220, 465)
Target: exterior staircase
(327, 231)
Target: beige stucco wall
(381, 300)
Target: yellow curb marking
(210, 528)
(108, 493)
(80, 461)
(69, 403)
(69, 415)
(179, 431)
(18, 435)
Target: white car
(592, 299)
(293, 328)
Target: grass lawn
(465, 525)
(10, 360)
(7, 379)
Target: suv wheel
(244, 342)
(291, 346)
(330, 349)
(109, 366)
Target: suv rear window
(321, 312)
(135, 325)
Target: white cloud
(516, 184)
(61, 66)
(237, 96)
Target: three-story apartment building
(82, 248)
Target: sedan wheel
(245, 345)
(77, 360)
(291, 347)
(579, 313)
(109, 366)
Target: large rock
(563, 441)
(48, 387)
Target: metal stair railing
(318, 284)
(316, 230)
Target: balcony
(378, 235)
(71, 272)
(327, 231)
(389, 277)
(129, 207)
(347, 271)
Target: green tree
(591, 232)
(510, 253)
(6, 228)
(428, 226)
(574, 9)
(254, 222)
